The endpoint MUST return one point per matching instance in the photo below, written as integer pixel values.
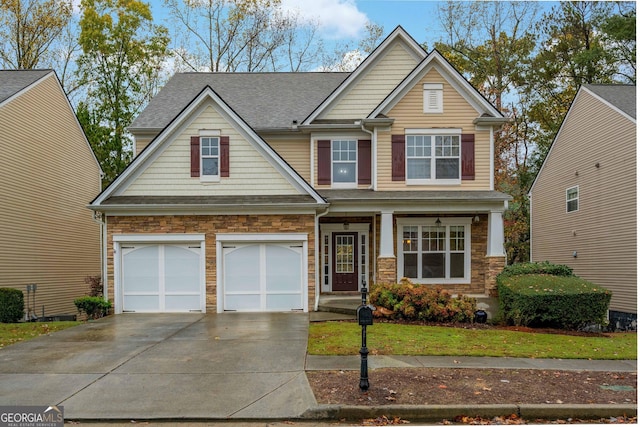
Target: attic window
(433, 97)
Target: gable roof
(14, 81)
(487, 113)
(397, 35)
(285, 96)
(206, 95)
(622, 97)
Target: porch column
(386, 265)
(496, 256)
(495, 238)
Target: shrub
(11, 305)
(93, 307)
(410, 301)
(567, 302)
(544, 267)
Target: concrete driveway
(165, 366)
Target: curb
(436, 413)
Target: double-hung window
(434, 157)
(572, 199)
(344, 162)
(435, 253)
(209, 157)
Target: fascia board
(451, 75)
(159, 210)
(399, 33)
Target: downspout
(101, 219)
(374, 156)
(318, 258)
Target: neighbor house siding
(170, 174)
(210, 225)
(375, 86)
(296, 152)
(598, 156)
(48, 175)
(458, 113)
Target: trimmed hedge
(564, 301)
(421, 302)
(11, 305)
(544, 267)
(94, 307)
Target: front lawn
(344, 338)
(11, 333)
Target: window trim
(353, 184)
(209, 178)
(430, 221)
(576, 199)
(433, 133)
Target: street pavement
(226, 367)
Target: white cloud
(337, 19)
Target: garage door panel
(283, 272)
(141, 303)
(141, 269)
(242, 269)
(181, 270)
(181, 303)
(280, 302)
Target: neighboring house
(48, 174)
(583, 201)
(261, 191)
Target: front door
(345, 261)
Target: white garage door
(161, 278)
(263, 276)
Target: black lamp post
(365, 318)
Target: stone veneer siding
(484, 269)
(209, 225)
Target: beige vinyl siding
(375, 86)
(603, 230)
(48, 175)
(296, 152)
(170, 173)
(141, 143)
(458, 113)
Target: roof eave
(491, 120)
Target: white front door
(263, 276)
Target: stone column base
(495, 265)
(386, 270)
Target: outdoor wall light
(438, 222)
(345, 226)
(476, 218)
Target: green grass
(11, 333)
(344, 338)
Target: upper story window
(572, 199)
(433, 97)
(209, 156)
(343, 161)
(433, 159)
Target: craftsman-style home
(262, 191)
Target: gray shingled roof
(263, 100)
(621, 96)
(13, 81)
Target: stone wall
(209, 226)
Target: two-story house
(262, 191)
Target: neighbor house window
(344, 162)
(209, 156)
(433, 98)
(572, 199)
(433, 158)
(435, 253)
